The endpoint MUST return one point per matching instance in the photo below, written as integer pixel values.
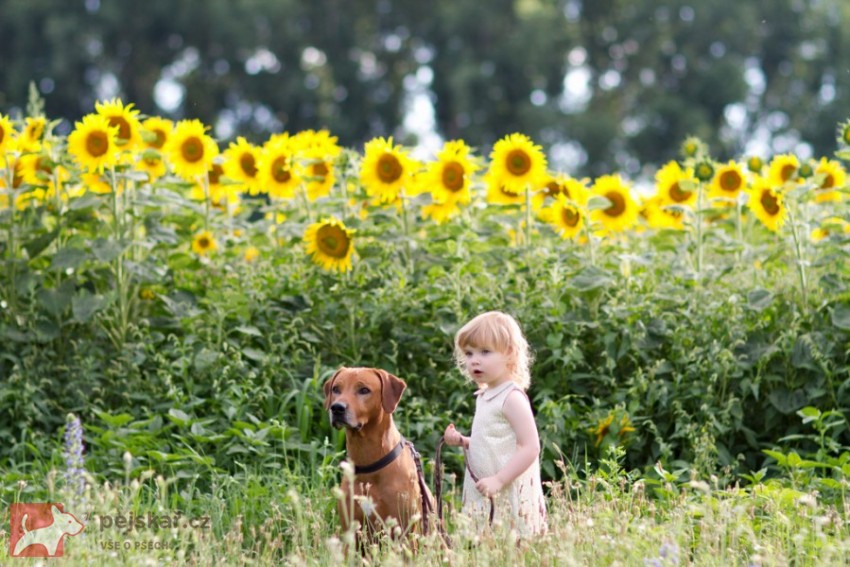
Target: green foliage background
(222, 366)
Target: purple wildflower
(72, 452)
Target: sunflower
(92, 143)
(450, 177)
(203, 243)
(755, 164)
(330, 244)
(152, 164)
(560, 185)
(441, 213)
(499, 194)
(728, 182)
(126, 118)
(614, 427)
(767, 204)
(32, 133)
(622, 213)
(190, 151)
(782, 169)
(385, 170)
(156, 131)
(517, 164)
(251, 253)
(676, 186)
(693, 148)
(240, 164)
(276, 169)
(832, 225)
(659, 215)
(7, 133)
(317, 151)
(566, 218)
(831, 176)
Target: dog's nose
(337, 408)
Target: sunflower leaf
(841, 317)
(759, 299)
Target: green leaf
(54, 301)
(598, 202)
(787, 401)
(204, 359)
(87, 201)
(37, 245)
(759, 299)
(249, 330)
(841, 317)
(107, 250)
(114, 420)
(179, 417)
(84, 305)
(590, 279)
(68, 258)
(254, 354)
(780, 457)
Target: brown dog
(387, 482)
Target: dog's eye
(335, 390)
(363, 391)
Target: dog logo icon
(39, 529)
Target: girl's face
(486, 367)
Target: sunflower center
(552, 189)
(248, 165)
(215, 174)
(97, 143)
(787, 171)
(123, 129)
(730, 181)
(204, 242)
(828, 182)
(677, 194)
(518, 162)
(453, 176)
(618, 204)
(192, 149)
(333, 241)
(280, 171)
(35, 131)
(389, 168)
(570, 216)
(43, 166)
(320, 170)
(769, 203)
(2, 134)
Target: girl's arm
(518, 412)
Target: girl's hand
(489, 486)
(453, 436)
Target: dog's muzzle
(339, 417)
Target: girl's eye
(467, 354)
(363, 391)
(485, 351)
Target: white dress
(520, 505)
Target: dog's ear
(391, 390)
(328, 385)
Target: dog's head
(356, 396)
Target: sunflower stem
(13, 253)
(205, 182)
(590, 244)
(798, 251)
(405, 225)
(527, 223)
(699, 230)
(120, 287)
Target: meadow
(170, 310)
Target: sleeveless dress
(519, 505)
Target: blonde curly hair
(501, 333)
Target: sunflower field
(186, 301)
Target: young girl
(504, 447)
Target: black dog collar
(382, 462)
